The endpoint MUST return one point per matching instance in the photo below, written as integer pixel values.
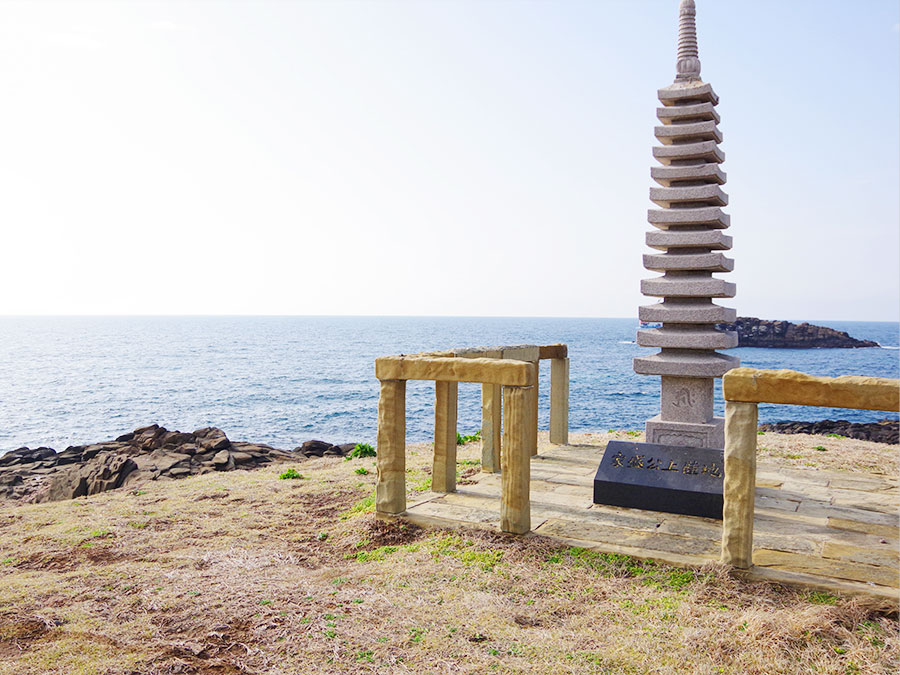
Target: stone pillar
(515, 500)
(390, 488)
(443, 471)
(689, 235)
(739, 491)
(559, 401)
(534, 408)
(491, 420)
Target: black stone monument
(668, 478)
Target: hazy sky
(432, 157)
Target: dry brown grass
(831, 453)
(245, 573)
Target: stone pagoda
(688, 234)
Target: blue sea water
(283, 380)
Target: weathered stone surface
(676, 174)
(505, 371)
(707, 151)
(211, 438)
(753, 332)
(26, 456)
(793, 388)
(707, 262)
(679, 311)
(665, 240)
(104, 472)
(685, 364)
(697, 131)
(680, 93)
(684, 113)
(690, 337)
(740, 484)
(314, 448)
(710, 216)
(676, 195)
(688, 287)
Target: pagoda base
(707, 435)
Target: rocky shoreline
(885, 431)
(146, 454)
(753, 332)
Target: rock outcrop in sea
(753, 332)
(146, 454)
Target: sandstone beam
(488, 371)
(790, 387)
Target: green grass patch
(466, 552)
(382, 552)
(618, 565)
(290, 474)
(361, 450)
(462, 440)
(364, 505)
(822, 598)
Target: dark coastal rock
(345, 448)
(212, 438)
(146, 454)
(753, 332)
(104, 472)
(314, 448)
(885, 431)
(26, 456)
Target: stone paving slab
(818, 529)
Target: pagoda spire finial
(687, 67)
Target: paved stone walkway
(814, 528)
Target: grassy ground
(244, 572)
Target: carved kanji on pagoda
(689, 234)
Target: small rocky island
(146, 454)
(753, 332)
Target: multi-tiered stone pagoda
(689, 233)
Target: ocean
(284, 380)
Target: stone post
(515, 505)
(689, 234)
(559, 401)
(739, 491)
(390, 488)
(491, 420)
(443, 471)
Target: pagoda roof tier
(694, 262)
(684, 113)
(685, 363)
(676, 133)
(665, 240)
(668, 197)
(707, 151)
(709, 216)
(688, 287)
(688, 312)
(666, 175)
(693, 337)
(687, 92)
